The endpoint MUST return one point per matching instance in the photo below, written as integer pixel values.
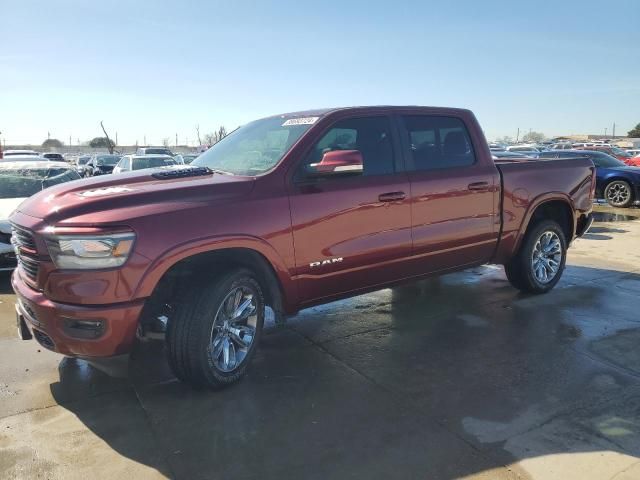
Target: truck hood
(114, 199)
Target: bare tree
(165, 142)
(534, 137)
(221, 133)
(110, 144)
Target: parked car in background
(189, 157)
(55, 157)
(10, 153)
(100, 164)
(524, 149)
(561, 146)
(18, 181)
(154, 151)
(499, 155)
(616, 152)
(634, 152)
(129, 163)
(81, 163)
(616, 182)
(366, 198)
(25, 158)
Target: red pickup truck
(288, 212)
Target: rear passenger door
(454, 194)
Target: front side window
(371, 136)
(256, 147)
(438, 142)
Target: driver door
(351, 231)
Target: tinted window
(438, 142)
(108, 159)
(371, 136)
(157, 151)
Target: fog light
(83, 328)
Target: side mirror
(338, 162)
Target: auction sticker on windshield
(300, 121)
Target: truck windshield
(256, 147)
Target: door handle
(391, 196)
(479, 186)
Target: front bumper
(49, 323)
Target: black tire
(190, 332)
(520, 270)
(619, 194)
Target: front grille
(23, 237)
(43, 339)
(26, 250)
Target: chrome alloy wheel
(546, 257)
(618, 193)
(234, 329)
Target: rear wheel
(618, 194)
(214, 334)
(538, 265)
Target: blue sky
(154, 69)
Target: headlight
(90, 251)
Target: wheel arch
(558, 207)
(180, 267)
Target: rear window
(151, 162)
(107, 160)
(156, 151)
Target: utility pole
(69, 140)
(144, 138)
(614, 131)
(605, 131)
(176, 139)
(116, 138)
(518, 135)
(48, 136)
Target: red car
(289, 212)
(618, 153)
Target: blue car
(616, 182)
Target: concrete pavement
(456, 377)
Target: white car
(129, 163)
(10, 153)
(18, 181)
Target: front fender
(172, 256)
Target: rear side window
(371, 136)
(438, 142)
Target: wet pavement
(456, 377)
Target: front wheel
(618, 194)
(538, 265)
(213, 336)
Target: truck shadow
(441, 379)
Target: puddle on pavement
(604, 217)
